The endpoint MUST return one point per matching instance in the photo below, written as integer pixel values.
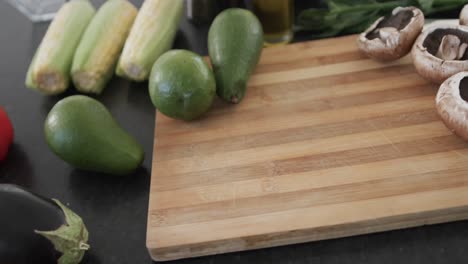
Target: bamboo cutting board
(326, 144)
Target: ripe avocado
(181, 85)
(235, 42)
(81, 131)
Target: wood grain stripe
(318, 219)
(193, 196)
(295, 134)
(308, 163)
(320, 71)
(316, 89)
(310, 61)
(301, 148)
(368, 190)
(224, 129)
(303, 50)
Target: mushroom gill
(451, 48)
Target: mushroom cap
(464, 16)
(452, 108)
(397, 43)
(432, 67)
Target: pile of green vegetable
(182, 86)
(354, 16)
(87, 47)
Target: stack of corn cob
(86, 46)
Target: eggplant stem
(83, 246)
(70, 238)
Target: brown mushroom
(392, 37)
(452, 104)
(440, 52)
(464, 16)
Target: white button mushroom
(392, 37)
(440, 52)
(464, 16)
(452, 104)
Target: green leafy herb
(353, 16)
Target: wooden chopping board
(326, 144)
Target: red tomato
(6, 134)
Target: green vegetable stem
(353, 16)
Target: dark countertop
(115, 208)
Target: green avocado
(235, 42)
(82, 132)
(181, 85)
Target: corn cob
(49, 71)
(152, 34)
(96, 57)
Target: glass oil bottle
(277, 18)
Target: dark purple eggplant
(34, 229)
